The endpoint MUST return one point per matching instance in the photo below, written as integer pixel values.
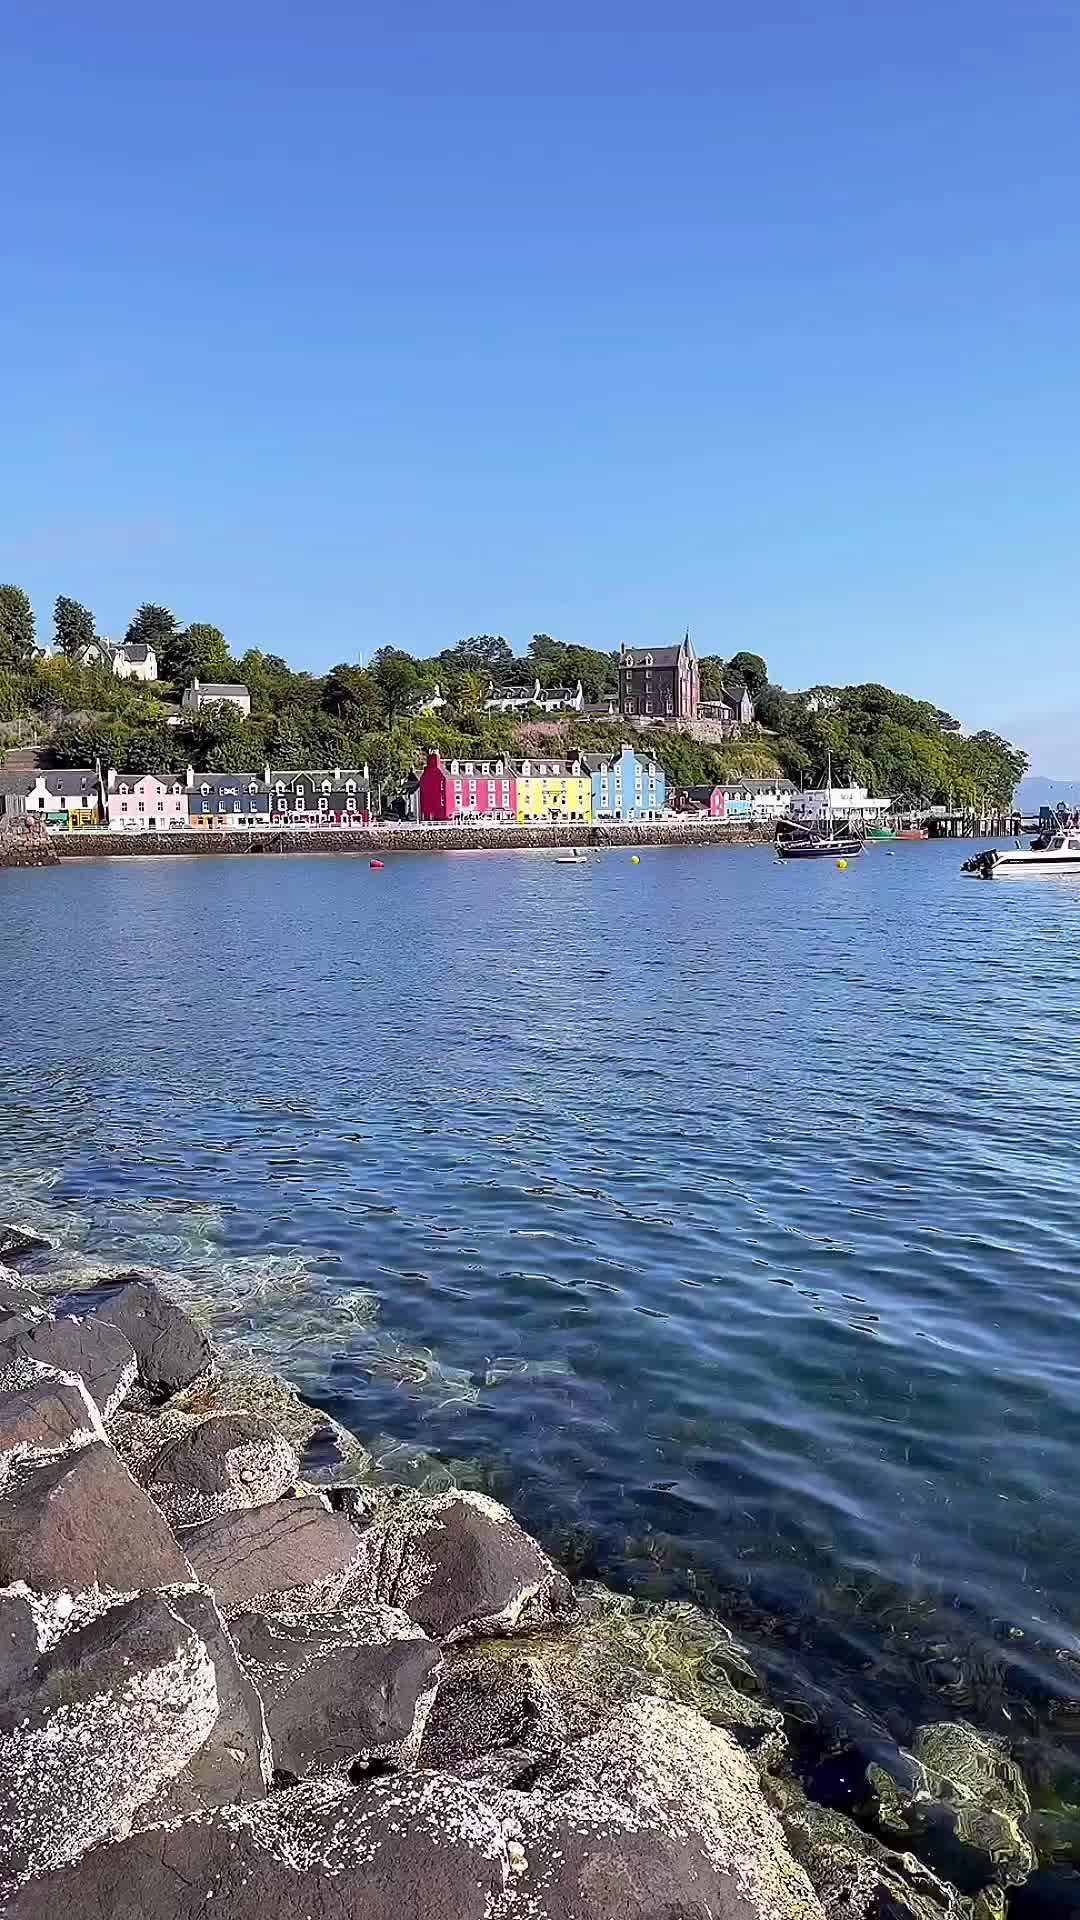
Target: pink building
(145, 802)
(468, 790)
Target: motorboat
(1061, 854)
(575, 858)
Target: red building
(468, 790)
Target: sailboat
(796, 842)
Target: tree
(750, 668)
(18, 645)
(486, 653)
(153, 625)
(200, 652)
(397, 678)
(352, 694)
(711, 669)
(74, 626)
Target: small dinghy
(575, 858)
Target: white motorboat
(1061, 854)
(575, 858)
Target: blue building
(626, 786)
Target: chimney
(189, 776)
(110, 779)
(266, 773)
(336, 772)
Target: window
(326, 786)
(252, 788)
(142, 806)
(323, 804)
(123, 806)
(648, 659)
(350, 786)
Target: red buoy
(377, 863)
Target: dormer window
(123, 789)
(253, 788)
(629, 660)
(326, 786)
(279, 786)
(648, 659)
(350, 786)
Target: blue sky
(342, 326)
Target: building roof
(659, 656)
(770, 786)
(310, 776)
(18, 779)
(544, 768)
(219, 690)
(597, 762)
(136, 651)
(701, 793)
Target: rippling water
(724, 1216)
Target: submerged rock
(94, 1729)
(96, 1353)
(408, 1847)
(223, 1464)
(658, 1816)
(171, 1352)
(16, 1243)
(341, 1690)
(43, 1412)
(958, 1801)
(458, 1564)
(293, 1552)
(80, 1521)
(236, 1389)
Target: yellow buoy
(635, 860)
(842, 864)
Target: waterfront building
(214, 693)
(319, 797)
(813, 805)
(770, 799)
(217, 801)
(482, 788)
(660, 683)
(720, 800)
(145, 802)
(558, 790)
(134, 660)
(626, 786)
(67, 799)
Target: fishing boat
(797, 842)
(1061, 855)
(882, 833)
(913, 833)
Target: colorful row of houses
(588, 787)
(76, 799)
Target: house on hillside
(511, 699)
(134, 660)
(626, 785)
(432, 702)
(145, 802)
(734, 709)
(660, 683)
(606, 709)
(561, 699)
(213, 693)
(482, 788)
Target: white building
(214, 693)
(813, 805)
(431, 702)
(560, 699)
(135, 660)
(511, 699)
(770, 799)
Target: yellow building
(553, 790)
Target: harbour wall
(390, 838)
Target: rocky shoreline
(239, 1676)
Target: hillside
(356, 715)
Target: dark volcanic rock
(410, 1847)
(233, 1764)
(340, 1690)
(95, 1352)
(102, 1720)
(659, 1816)
(292, 1550)
(460, 1565)
(170, 1350)
(19, 1298)
(223, 1464)
(494, 1717)
(19, 1645)
(15, 1244)
(43, 1412)
(81, 1520)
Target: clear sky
(349, 325)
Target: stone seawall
(24, 843)
(387, 838)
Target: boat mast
(828, 802)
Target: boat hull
(1020, 866)
(840, 850)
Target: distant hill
(1034, 792)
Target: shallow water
(724, 1216)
